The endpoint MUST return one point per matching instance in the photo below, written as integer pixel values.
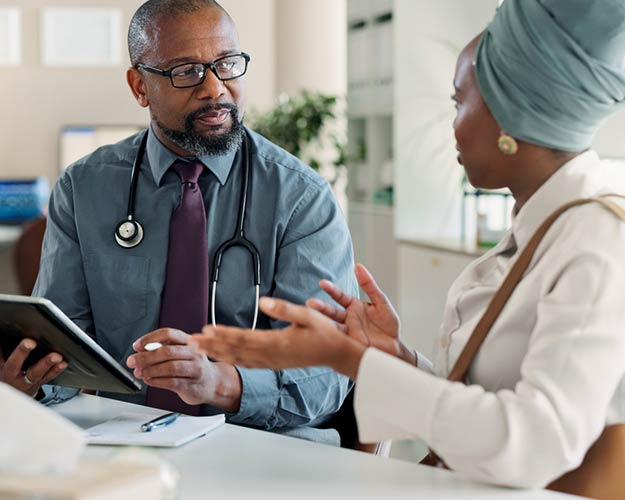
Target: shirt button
(445, 341)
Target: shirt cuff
(393, 399)
(54, 394)
(259, 398)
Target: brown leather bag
(601, 473)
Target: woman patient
(530, 93)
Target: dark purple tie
(184, 303)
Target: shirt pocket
(117, 289)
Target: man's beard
(199, 145)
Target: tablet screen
(89, 366)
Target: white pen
(159, 422)
(152, 346)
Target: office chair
(27, 254)
(344, 421)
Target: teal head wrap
(551, 71)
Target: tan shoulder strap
(460, 369)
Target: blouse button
(445, 341)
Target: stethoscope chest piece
(128, 233)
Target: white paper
(126, 430)
(81, 36)
(10, 36)
(34, 439)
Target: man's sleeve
(61, 278)
(315, 246)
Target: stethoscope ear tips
(128, 234)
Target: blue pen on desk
(160, 422)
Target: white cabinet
(372, 234)
(370, 55)
(370, 74)
(370, 165)
(426, 275)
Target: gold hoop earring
(507, 144)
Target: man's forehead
(193, 36)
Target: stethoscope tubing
(238, 239)
(213, 302)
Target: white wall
(429, 37)
(311, 46)
(256, 22)
(36, 101)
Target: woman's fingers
(368, 284)
(286, 311)
(220, 341)
(247, 348)
(365, 281)
(334, 313)
(338, 295)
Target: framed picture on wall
(77, 141)
(10, 36)
(81, 36)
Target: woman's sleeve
(532, 434)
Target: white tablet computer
(89, 366)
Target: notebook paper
(126, 430)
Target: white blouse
(551, 372)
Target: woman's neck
(533, 167)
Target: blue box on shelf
(23, 199)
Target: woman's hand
(374, 324)
(310, 340)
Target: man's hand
(30, 381)
(179, 368)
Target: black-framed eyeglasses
(187, 75)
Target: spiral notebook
(126, 430)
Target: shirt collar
(161, 158)
(577, 178)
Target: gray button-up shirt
(114, 294)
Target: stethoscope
(129, 233)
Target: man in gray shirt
(187, 68)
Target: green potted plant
(309, 125)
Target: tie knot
(189, 171)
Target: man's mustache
(234, 110)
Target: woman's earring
(507, 144)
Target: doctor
(530, 93)
(121, 267)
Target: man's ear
(137, 86)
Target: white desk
(237, 462)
